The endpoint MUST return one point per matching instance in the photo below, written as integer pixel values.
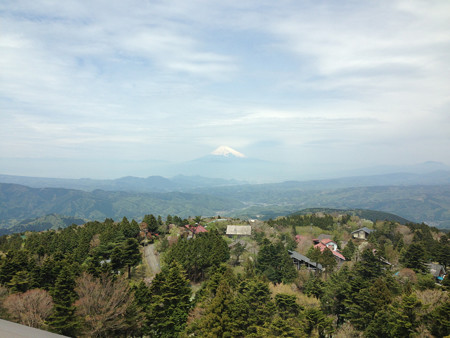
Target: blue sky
(106, 88)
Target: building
(197, 229)
(362, 233)
(329, 244)
(437, 270)
(239, 230)
(299, 260)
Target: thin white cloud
(87, 78)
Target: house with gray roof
(362, 233)
(437, 270)
(299, 260)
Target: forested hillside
(19, 202)
(429, 204)
(421, 203)
(95, 279)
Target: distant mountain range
(201, 183)
(130, 183)
(421, 196)
(418, 203)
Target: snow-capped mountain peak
(227, 152)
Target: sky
(106, 89)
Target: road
(152, 259)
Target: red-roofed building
(199, 229)
(195, 229)
(330, 244)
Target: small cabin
(239, 230)
(437, 270)
(362, 233)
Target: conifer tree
(336, 294)
(20, 282)
(63, 319)
(131, 255)
(169, 302)
(349, 250)
(217, 320)
(253, 307)
(414, 257)
(274, 262)
(151, 222)
(405, 316)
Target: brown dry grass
(406, 233)
(291, 289)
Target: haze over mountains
(208, 186)
(223, 166)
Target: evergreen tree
(405, 321)
(131, 255)
(253, 308)
(287, 305)
(152, 223)
(274, 262)
(141, 304)
(217, 319)
(314, 286)
(439, 320)
(169, 220)
(414, 257)
(327, 260)
(63, 319)
(336, 294)
(316, 320)
(368, 302)
(129, 230)
(237, 251)
(20, 282)
(197, 255)
(169, 302)
(349, 250)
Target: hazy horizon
(106, 90)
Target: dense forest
(427, 203)
(96, 279)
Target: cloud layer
(336, 84)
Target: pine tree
(131, 254)
(20, 282)
(169, 302)
(327, 260)
(63, 319)
(253, 308)
(217, 319)
(414, 257)
(439, 320)
(314, 286)
(405, 323)
(274, 262)
(151, 222)
(315, 319)
(287, 305)
(336, 294)
(349, 250)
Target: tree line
(87, 281)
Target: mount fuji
(227, 163)
(227, 152)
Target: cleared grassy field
(309, 230)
